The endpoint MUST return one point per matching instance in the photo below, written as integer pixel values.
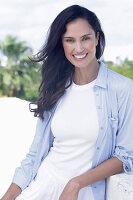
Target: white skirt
(48, 185)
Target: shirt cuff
(126, 158)
(20, 180)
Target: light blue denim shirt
(114, 101)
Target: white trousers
(48, 186)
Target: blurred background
(23, 29)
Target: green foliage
(19, 77)
(125, 68)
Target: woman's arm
(102, 171)
(13, 191)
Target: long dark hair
(56, 69)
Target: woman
(84, 129)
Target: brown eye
(69, 40)
(86, 38)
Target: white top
(75, 128)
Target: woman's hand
(70, 191)
(12, 192)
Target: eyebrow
(81, 36)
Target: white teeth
(81, 56)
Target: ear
(97, 38)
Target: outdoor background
(23, 28)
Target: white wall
(120, 187)
(17, 128)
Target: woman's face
(79, 43)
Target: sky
(29, 20)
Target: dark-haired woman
(84, 130)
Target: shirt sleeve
(124, 140)
(23, 174)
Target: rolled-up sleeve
(126, 157)
(124, 139)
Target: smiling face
(79, 43)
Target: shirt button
(97, 94)
(98, 107)
(98, 148)
(101, 128)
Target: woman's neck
(85, 75)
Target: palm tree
(16, 76)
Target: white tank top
(75, 129)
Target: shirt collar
(101, 79)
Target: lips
(80, 57)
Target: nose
(79, 47)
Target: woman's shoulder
(120, 88)
(118, 81)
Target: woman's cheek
(67, 48)
(91, 46)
